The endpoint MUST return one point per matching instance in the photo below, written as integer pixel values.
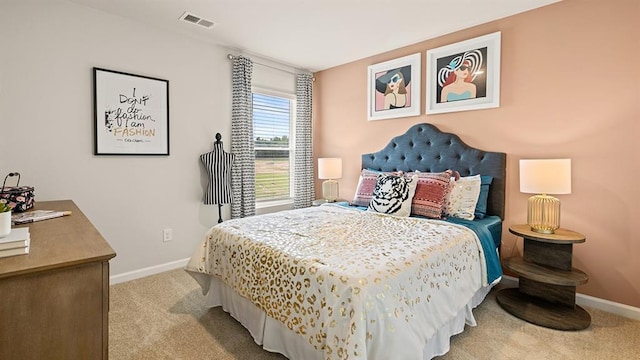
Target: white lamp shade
(545, 176)
(329, 168)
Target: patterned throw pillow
(462, 200)
(393, 194)
(431, 192)
(366, 185)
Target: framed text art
(131, 114)
(394, 88)
(464, 76)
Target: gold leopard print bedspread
(354, 284)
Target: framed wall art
(131, 114)
(464, 76)
(394, 88)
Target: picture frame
(394, 88)
(131, 114)
(478, 61)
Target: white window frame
(264, 206)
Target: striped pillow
(431, 192)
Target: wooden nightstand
(318, 202)
(546, 295)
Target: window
(272, 129)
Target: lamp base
(542, 230)
(330, 190)
(543, 214)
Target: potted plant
(5, 219)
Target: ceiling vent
(196, 20)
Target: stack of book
(16, 243)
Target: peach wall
(569, 88)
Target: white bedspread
(354, 284)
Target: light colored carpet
(163, 317)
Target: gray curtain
(243, 172)
(303, 185)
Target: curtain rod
(231, 57)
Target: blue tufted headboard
(425, 148)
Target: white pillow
(463, 197)
(393, 194)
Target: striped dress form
(218, 164)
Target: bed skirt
(273, 336)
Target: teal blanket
(490, 247)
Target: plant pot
(5, 223)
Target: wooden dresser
(54, 301)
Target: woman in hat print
(458, 77)
(393, 85)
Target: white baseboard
(627, 311)
(152, 270)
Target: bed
(337, 282)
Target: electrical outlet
(167, 235)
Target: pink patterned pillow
(366, 185)
(431, 193)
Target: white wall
(47, 51)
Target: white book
(16, 251)
(15, 235)
(17, 238)
(21, 233)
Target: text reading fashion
(128, 120)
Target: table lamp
(543, 177)
(330, 169)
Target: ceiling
(315, 34)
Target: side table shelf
(547, 289)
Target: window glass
(272, 130)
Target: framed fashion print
(464, 76)
(394, 88)
(131, 114)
